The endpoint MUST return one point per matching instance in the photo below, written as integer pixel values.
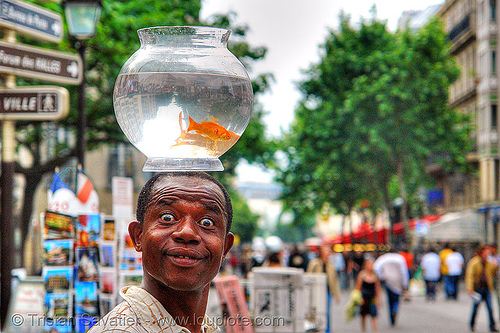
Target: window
(494, 116)
(493, 62)
(496, 180)
(493, 10)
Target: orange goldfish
(209, 129)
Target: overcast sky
(292, 30)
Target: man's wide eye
(167, 217)
(206, 223)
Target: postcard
(84, 323)
(57, 278)
(86, 263)
(107, 303)
(108, 229)
(58, 305)
(107, 280)
(86, 298)
(57, 225)
(58, 252)
(88, 228)
(130, 259)
(107, 252)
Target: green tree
(375, 107)
(114, 42)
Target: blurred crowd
(399, 273)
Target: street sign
(34, 103)
(42, 64)
(31, 19)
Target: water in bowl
(182, 115)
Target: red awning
(382, 236)
(398, 228)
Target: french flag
(58, 183)
(84, 188)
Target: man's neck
(187, 308)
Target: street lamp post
(82, 17)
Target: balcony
(459, 28)
(462, 34)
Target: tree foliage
(375, 107)
(115, 40)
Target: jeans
(447, 286)
(393, 300)
(329, 300)
(343, 277)
(486, 297)
(431, 289)
(453, 286)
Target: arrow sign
(34, 103)
(42, 64)
(30, 19)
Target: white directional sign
(30, 19)
(42, 64)
(34, 103)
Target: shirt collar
(153, 316)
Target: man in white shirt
(455, 263)
(182, 230)
(431, 267)
(392, 271)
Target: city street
(419, 316)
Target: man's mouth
(183, 257)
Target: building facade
(472, 27)
(462, 191)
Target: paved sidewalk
(420, 316)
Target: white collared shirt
(142, 313)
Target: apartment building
(472, 27)
(470, 94)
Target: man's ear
(228, 244)
(135, 232)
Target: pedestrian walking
(455, 263)
(431, 269)
(298, 258)
(495, 260)
(323, 264)
(340, 266)
(369, 286)
(409, 258)
(444, 269)
(392, 271)
(358, 259)
(479, 277)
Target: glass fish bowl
(183, 99)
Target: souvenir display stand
(87, 258)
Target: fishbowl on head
(183, 99)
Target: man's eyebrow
(164, 202)
(212, 207)
(167, 202)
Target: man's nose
(187, 232)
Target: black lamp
(82, 17)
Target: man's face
(183, 238)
